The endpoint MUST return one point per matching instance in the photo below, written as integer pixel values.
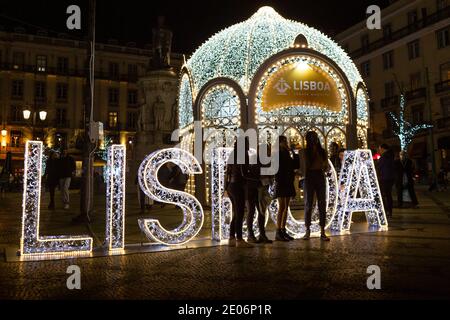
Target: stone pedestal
(157, 114)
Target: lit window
(41, 63)
(112, 119)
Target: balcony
(443, 86)
(416, 94)
(389, 102)
(404, 32)
(132, 78)
(443, 123)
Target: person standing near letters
(284, 187)
(52, 177)
(66, 167)
(404, 169)
(313, 165)
(386, 176)
(235, 187)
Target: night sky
(192, 22)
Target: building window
(414, 50)
(387, 31)
(15, 114)
(131, 120)
(132, 72)
(365, 42)
(388, 60)
(41, 63)
(16, 138)
(365, 69)
(417, 114)
(17, 89)
(112, 119)
(415, 80)
(113, 96)
(61, 91)
(113, 70)
(441, 4)
(389, 89)
(412, 17)
(443, 38)
(445, 105)
(18, 60)
(62, 66)
(132, 97)
(40, 90)
(61, 116)
(445, 71)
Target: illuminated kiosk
(271, 73)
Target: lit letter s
(193, 216)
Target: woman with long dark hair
(313, 165)
(284, 187)
(235, 186)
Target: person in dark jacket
(66, 169)
(404, 170)
(386, 176)
(235, 185)
(313, 166)
(52, 177)
(284, 187)
(257, 196)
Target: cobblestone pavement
(414, 257)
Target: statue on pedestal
(159, 111)
(162, 43)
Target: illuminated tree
(403, 129)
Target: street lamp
(42, 115)
(27, 114)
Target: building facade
(42, 73)
(410, 55)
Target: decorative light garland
(31, 243)
(115, 197)
(221, 107)
(359, 191)
(186, 110)
(193, 216)
(238, 51)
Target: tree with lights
(403, 129)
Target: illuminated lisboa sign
(356, 189)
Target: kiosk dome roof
(238, 51)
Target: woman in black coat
(284, 187)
